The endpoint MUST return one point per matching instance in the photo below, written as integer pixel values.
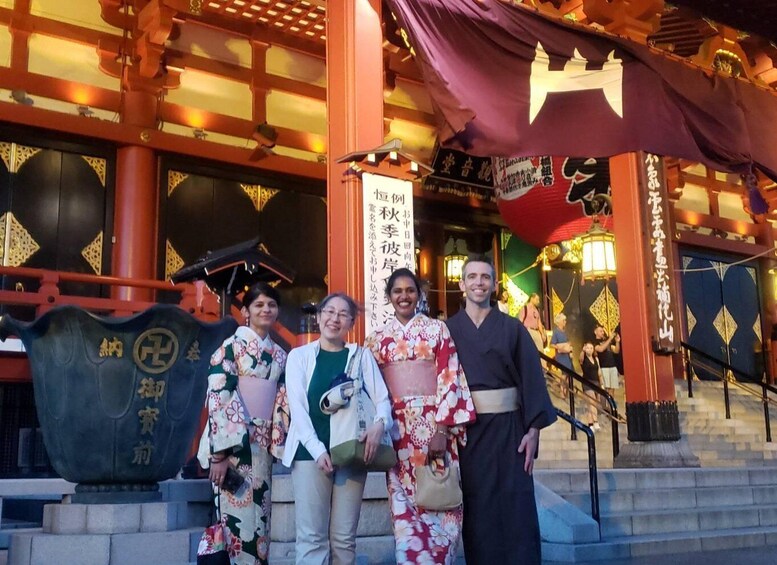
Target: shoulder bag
(352, 416)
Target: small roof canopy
(231, 270)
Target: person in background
(512, 404)
(592, 373)
(423, 299)
(431, 404)
(606, 346)
(249, 364)
(530, 316)
(560, 342)
(502, 303)
(327, 500)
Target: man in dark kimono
(503, 370)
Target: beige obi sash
(411, 378)
(258, 396)
(495, 401)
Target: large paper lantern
(548, 199)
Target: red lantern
(548, 199)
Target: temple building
(618, 158)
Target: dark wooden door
(722, 313)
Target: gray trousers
(327, 513)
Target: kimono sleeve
(225, 412)
(454, 401)
(280, 419)
(538, 411)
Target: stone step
(702, 498)
(640, 522)
(34, 546)
(576, 481)
(661, 544)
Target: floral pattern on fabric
(251, 444)
(423, 536)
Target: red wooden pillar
(651, 403)
(355, 117)
(135, 215)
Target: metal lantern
(598, 251)
(454, 265)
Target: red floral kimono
(422, 346)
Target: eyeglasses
(332, 313)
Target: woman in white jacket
(327, 499)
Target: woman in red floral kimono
(431, 403)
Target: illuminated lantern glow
(598, 250)
(454, 265)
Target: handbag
(435, 491)
(349, 419)
(213, 548)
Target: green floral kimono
(252, 445)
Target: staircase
(663, 512)
(720, 442)
(558, 451)
(717, 441)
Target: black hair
(353, 306)
(257, 289)
(402, 272)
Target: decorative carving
(556, 304)
(98, 165)
(195, 7)
(259, 195)
(174, 178)
(5, 153)
(265, 195)
(21, 245)
(173, 261)
(21, 155)
(728, 63)
(93, 254)
(691, 319)
(723, 53)
(605, 310)
(252, 191)
(155, 350)
(725, 325)
(686, 261)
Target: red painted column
(135, 219)
(355, 122)
(651, 404)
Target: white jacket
(299, 370)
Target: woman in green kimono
(234, 438)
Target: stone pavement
(764, 555)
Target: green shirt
(328, 365)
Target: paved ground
(766, 555)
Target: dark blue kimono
(500, 515)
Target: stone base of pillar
(655, 454)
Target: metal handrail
(765, 387)
(572, 376)
(593, 477)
